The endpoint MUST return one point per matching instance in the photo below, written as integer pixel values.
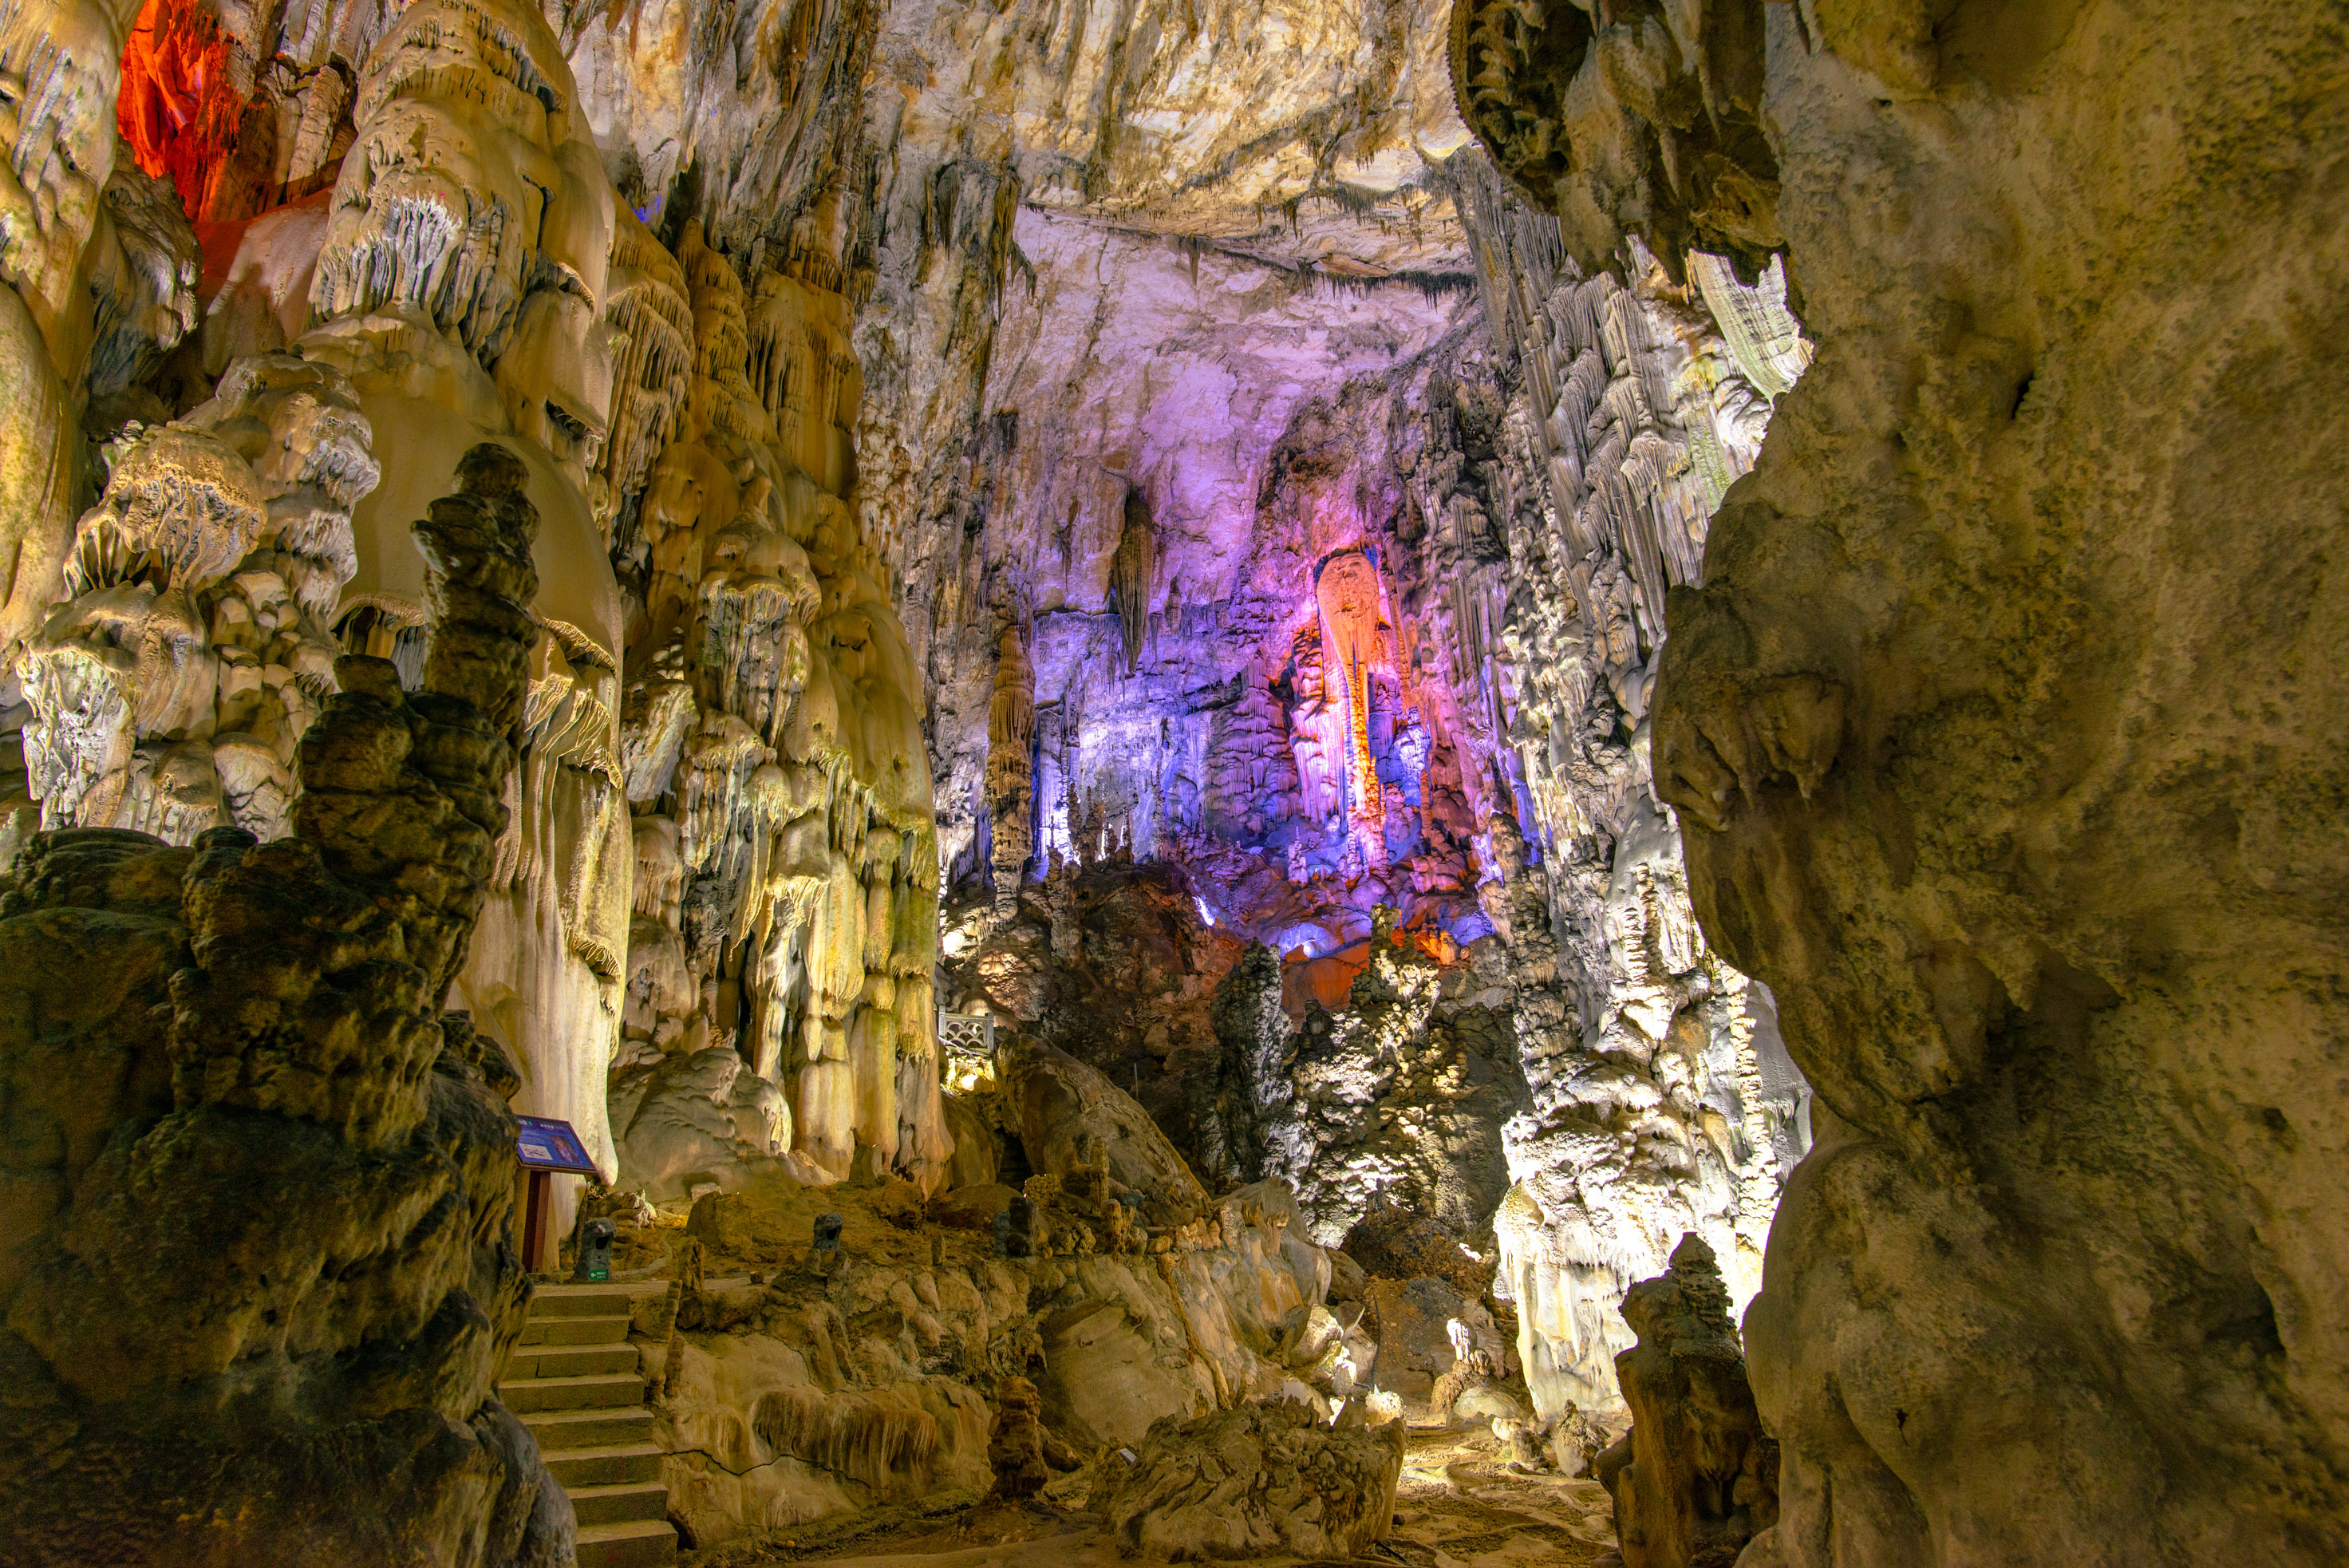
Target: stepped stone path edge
(574, 1381)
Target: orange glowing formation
(177, 109)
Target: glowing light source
(176, 108)
(1349, 595)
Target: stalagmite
(303, 1181)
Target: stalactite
(1010, 747)
(1132, 571)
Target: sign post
(544, 1147)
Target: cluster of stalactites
(170, 690)
(788, 860)
(1650, 1115)
(466, 180)
(832, 900)
(651, 323)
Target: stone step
(619, 1502)
(587, 1300)
(574, 1331)
(594, 1427)
(609, 1464)
(639, 1544)
(569, 1360)
(599, 1391)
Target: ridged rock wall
(2017, 793)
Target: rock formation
(901, 1365)
(1696, 1478)
(169, 690)
(1023, 1453)
(772, 745)
(1955, 725)
(289, 1212)
(1254, 1481)
(1287, 577)
(473, 276)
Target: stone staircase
(574, 1381)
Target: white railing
(967, 1034)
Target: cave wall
(383, 238)
(2013, 788)
(1154, 438)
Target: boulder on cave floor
(1256, 1482)
(1070, 1118)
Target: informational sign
(548, 1145)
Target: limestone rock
(1869, 693)
(1070, 1117)
(975, 1160)
(1697, 1477)
(314, 1230)
(1422, 1329)
(873, 1381)
(1252, 1482)
(1024, 1455)
(169, 690)
(696, 1116)
(973, 1207)
(144, 278)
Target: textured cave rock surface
(283, 1217)
(1254, 1482)
(805, 1388)
(1070, 1118)
(1353, 597)
(1696, 1478)
(394, 235)
(1397, 1096)
(1134, 1001)
(2001, 725)
(1142, 472)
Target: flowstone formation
(459, 283)
(787, 911)
(1956, 725)
(281, 1204)
(169, 690)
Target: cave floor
(1456, 1506)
